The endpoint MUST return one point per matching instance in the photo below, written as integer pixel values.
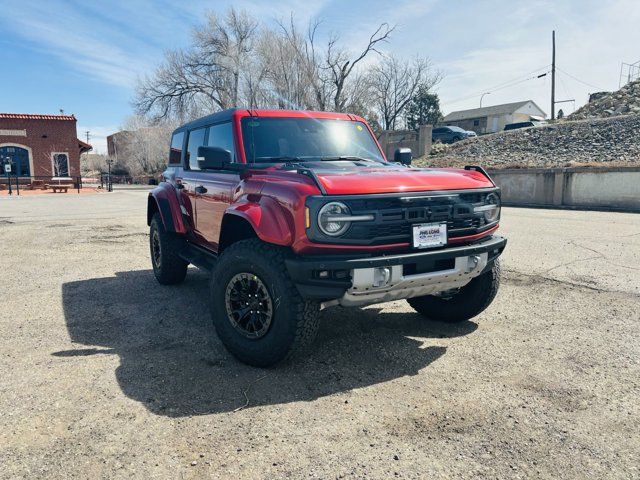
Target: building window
(60, 164)
(18, 158)
(476, 123)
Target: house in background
(40, 145)
(493, 119)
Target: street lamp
(109, 184)
(481, 96)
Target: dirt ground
(106, 374)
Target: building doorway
(19, 158)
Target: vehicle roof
(228, 114)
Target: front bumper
(376, 279)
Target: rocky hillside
(592, 142)
(624, 101)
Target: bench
(59, 188)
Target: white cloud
(89, 47)
(478, 44)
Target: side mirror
(213, 158)
(403, 156)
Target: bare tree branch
(393, 82)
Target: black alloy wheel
(156, 252)
(249, 306)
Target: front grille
(394, 215)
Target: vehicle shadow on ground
(172, 361)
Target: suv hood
(365, 180)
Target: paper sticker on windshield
(359, 127)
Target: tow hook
(472, 263)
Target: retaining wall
(606, 188)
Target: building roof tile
(31, 116)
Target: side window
(60, 165)
(175, 151)
(221, 135)
(196, 139)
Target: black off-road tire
(164, 246)
(294, 322)
(468, 302)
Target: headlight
(330, 221)
(492, 205)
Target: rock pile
(624, 101)
(611, 141)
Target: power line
(501, 86)
(581, 81)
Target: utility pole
(87, 133)
(553, 75)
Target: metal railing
(13, 184)
(629, 72)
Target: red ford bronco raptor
(295, 211)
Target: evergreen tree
(423, 109)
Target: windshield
(278, 139)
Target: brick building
(40, 145)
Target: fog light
(323, 274)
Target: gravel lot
(106, 374)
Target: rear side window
(175, 152)
(196, 139)
(221, 136)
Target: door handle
(201, 189)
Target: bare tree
(226, 45)
(393, 83)
(313, 83)
(145, 150)
(234, 61)
(92, 163)
(177, 87)
(341, 64)
(208, 75)
(328, 70)
(285, 69)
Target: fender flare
(163, 198)
(269, 220)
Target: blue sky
(85, 56)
